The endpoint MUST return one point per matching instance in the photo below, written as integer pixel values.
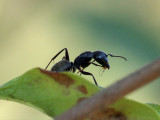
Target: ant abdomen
(63, 65)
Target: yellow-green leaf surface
(53, 93)
(155, 107)
(135, 111)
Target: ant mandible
(81, 62)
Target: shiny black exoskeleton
(81, 62)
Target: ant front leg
(87, 73)
(89, 64)
(66, 56)
(96, 64)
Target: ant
(81, 62)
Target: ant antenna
(117, 56)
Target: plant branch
(114, 92)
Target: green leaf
(53, 93)
(155, 107)
(135, 111)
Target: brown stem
(114, 92)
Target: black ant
(81, 62)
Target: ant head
(101, 58)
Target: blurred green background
(33, 31)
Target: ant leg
(96, 64)
(79, 71)
(66, 56)
(87, 73)
(89, 64)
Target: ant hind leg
(66, 56)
